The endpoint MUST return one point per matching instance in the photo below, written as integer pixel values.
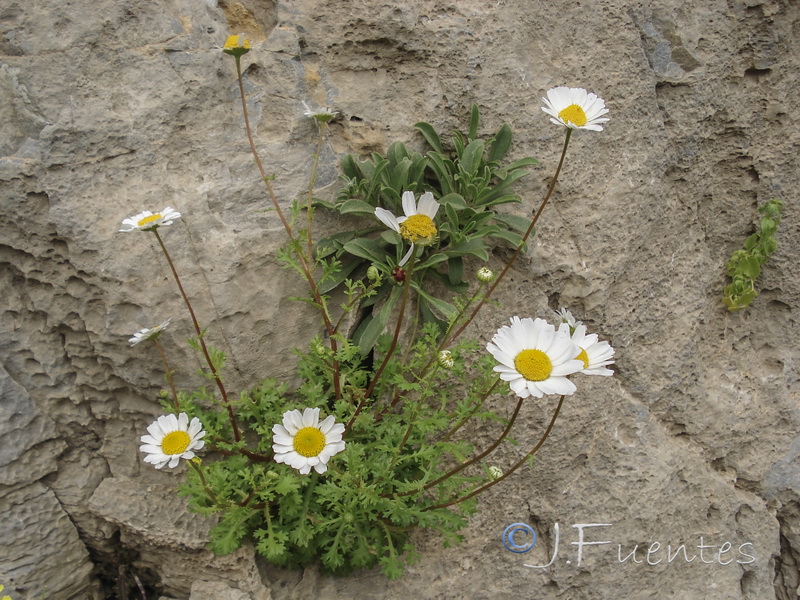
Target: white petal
(407, 256)
(387, 219)
(409, 204)
(427, 205)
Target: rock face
(109, 108)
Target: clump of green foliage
(468, 178)
(390, 478)
(744, 266)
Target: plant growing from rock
(744, 266)
(375, 441)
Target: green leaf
(498, 189)
(433, 260)
(445, 309)
(516, 223)
(351, 168)
(474, 120)
(430, 135)
(357, 207)
(514, 239)
(370, 249)
(334, 280)
(227, 535)
(372, 327)
(399, 177)
(444, 169)
(502, 142)
(474, 247)
(455, 270)
(454, 200)
(473, 154)
(397, 153)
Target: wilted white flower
(147, 221)
(575, 108)
(485, 275)
(172, 438)
(594, 354)
(322, 115)
(303, 442)
(148, 334)
(535, 358)
(417, 226)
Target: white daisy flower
(594, 354)
(535, 358)
(147, 221)
(322, 114)
(417, 226)
(575, 108)
(303, 442)
(172, 438)
(148, 334)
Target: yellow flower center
(573, 114)
(417, 227)
(175, 442)
(584, 357)
(150, 219)
(533, 365)
(309, 441)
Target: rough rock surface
(109, 108)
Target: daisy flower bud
(485, 275)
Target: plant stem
(236, 435)
(389, 352)
(446, 342)
(311, 181)
(485, 487)
(398, 327)
(301, 257)
(203, 482)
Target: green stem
(217, 379)
(446, 342)
(389, 352)
(311, 181)
(398, 326)
(301, 257)
(203, 481)
(485, 487)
